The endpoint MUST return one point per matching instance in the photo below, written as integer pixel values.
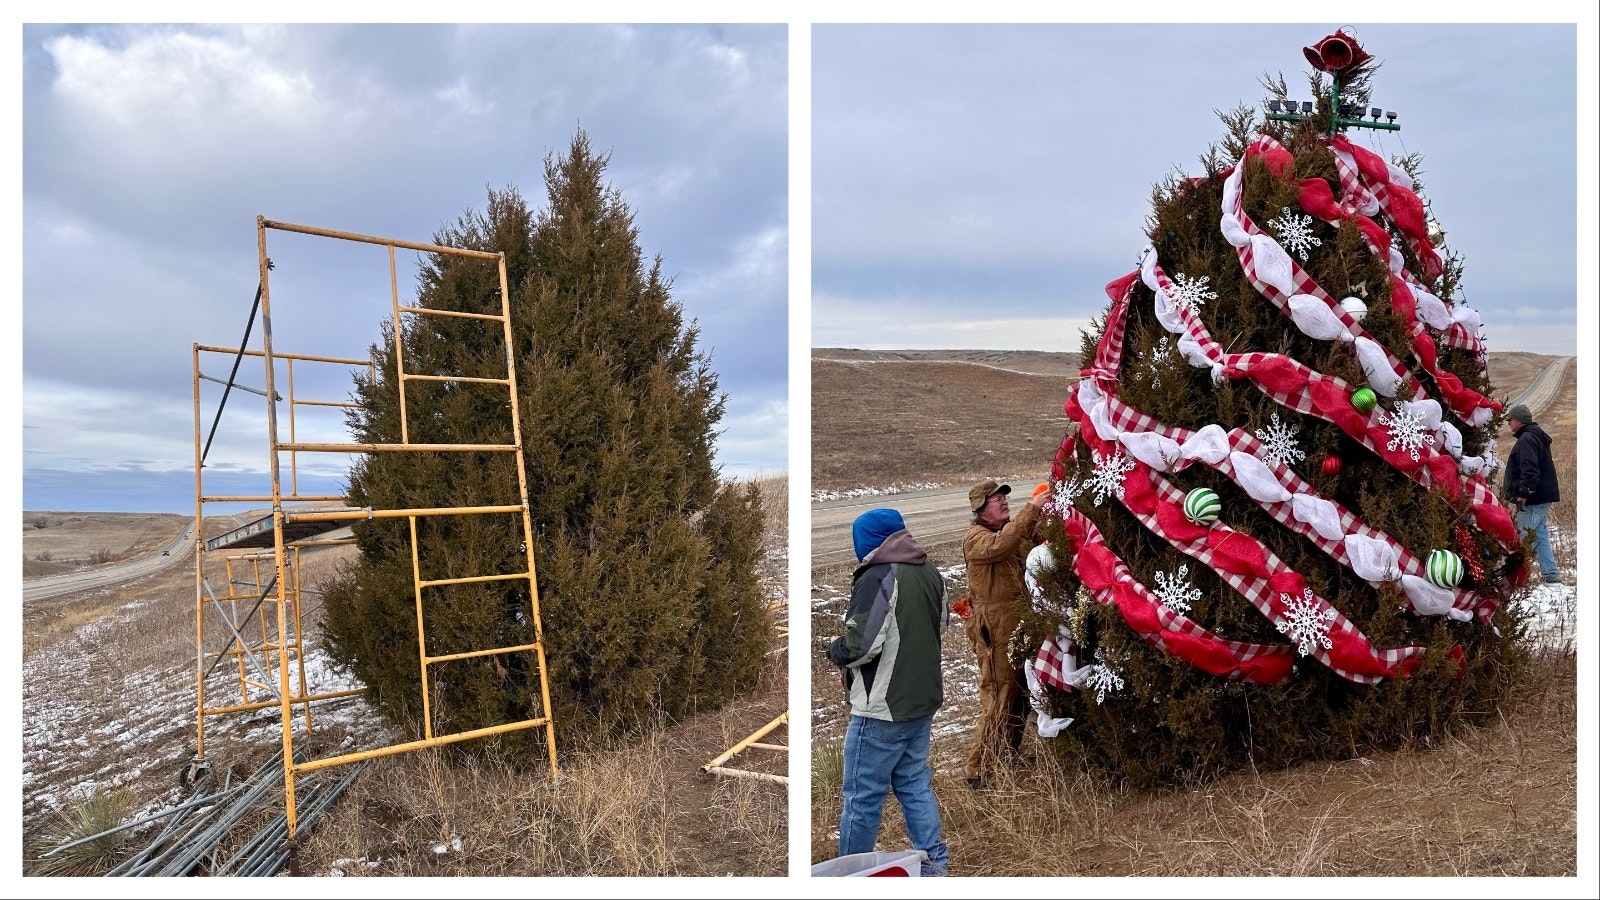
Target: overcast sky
(977, 185)
(148, 152)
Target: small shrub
(86, 817)
(827, 768)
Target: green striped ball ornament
(1202, 506)
(1444, 569)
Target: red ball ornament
(1331, 465)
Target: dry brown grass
(1493, 801)
(881, 423)
(645, 810)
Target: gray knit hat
(1520, 413)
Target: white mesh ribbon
(1450, 439)
(1103, 425)
(1397, 262)
(1486, 463)
(1429, 411)
(1431, 309)
(1147, 270)
(1167, 313)
(1272, 262)
(1154, 450)
(1479, 417)
(1375, 365)
(1049, 726)
(1322, 515)
(1230, 190)
(1313, 317)
(1094, 403)
(1399, 176)
(1209, 444)
(1089, 393)
(1256, 478)
(1192, 351)
(1232, 231)
(1469, 319)
(1428, 599)
(1372, 560)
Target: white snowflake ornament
(1279, 444)
(1407, 431)
(1066, 491)
(1102, 679)
(1108, 474)
(1305, 624)
(1152, 358)
(1174, 590)
(1294, 233)
(1191, 293)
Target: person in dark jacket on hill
(891, 657)
(1530, 485)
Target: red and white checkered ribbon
(1461, 400)
(1055, 662)
(1109, 581)
(1367, 181)
(1233, 199)
(1247, 566)
(1108, 352)
(1127, 419)
(1294, 385)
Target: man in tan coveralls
(996, 549)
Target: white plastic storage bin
(897, 863)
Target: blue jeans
(1532, 518)
(880, 756)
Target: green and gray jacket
(890, 649)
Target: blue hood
(872, 526)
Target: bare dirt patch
(878, 422)
(108, 706)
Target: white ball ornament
(1355, 306)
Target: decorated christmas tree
(1274, 530)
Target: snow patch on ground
(852, 493)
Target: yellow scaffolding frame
(718, 766)
(278, 638)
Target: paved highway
(935, 516)
(1546, 385)
(940, 516)
(177, 551)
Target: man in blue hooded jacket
(891, 656)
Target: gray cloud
(149, 151)
(1006, 170)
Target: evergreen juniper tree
(1276, 534)
(645, 562)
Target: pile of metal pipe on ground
(192, 838)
